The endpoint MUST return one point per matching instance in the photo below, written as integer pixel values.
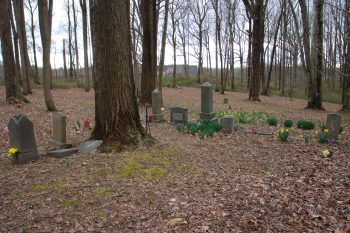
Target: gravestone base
(207, 116)
(59, 145)
(26, 157)
(62, 152)
(158, 117)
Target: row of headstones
(22, 137)
(180, 115)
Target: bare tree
(346, 65)
(45, 22)
(85, 39)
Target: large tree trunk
(21, 30)
(117, 115)
(45, 21)
(315, 96)
(149, 47)
(85, 39)
(13, 90)
(346, 65)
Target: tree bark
(149, 47)
(346, 65)
(64, 61)
(117, 115)
(21, 30)
(162, 50)
(32, 32)
(45, 21)
(76, 50)
(13, 90)
(85, 39)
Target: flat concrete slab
(90, 146)
(62, 152)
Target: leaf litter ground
(228, 183)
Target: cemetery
(218, 163)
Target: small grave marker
(228, 123)
(59, 131)
(21, 134)
(207, 102)
(334, 124)
(156, 106)
(178, 115)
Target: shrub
(282, 135)
(272, 121)
(208, 128)
(324, 138)
(305, 125)
(288, 123)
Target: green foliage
(306, 138)
(180, 128)
(288, 123)
(323, 126)
(208, 128)
(323, 137)
(341, 129)
(70, 203)
(282, 135)
(269, 170)
(191, 127)
(245, 117)
(272, 121)
(181, 81)
(302, 124)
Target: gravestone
(207, 102)
(61, 153)
(59, 131)
(90, 146)
(334, 124)
(21, 134)
(227, 123)
(156, 106)
(178, 115)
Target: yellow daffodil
(282, 130)
(326, 130)
(287, 130)
(325, 152)
(13, 151)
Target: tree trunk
(13, 90)
(162, 51)
(21, 30)
(85, 39)
(70, 46)
(64, 61)
(117, 115)
(315, 96)
(45, 21)
(77, 68)
(32, 31)
(346, 65)
(149, 47)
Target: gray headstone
(178, 115)
(334, 124)
(22, 137)
(228, 123)
(62, 152)
(156, 105)
(207, 101)
(90, 146)
(59, 131)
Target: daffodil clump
(282, 135)
(12, 153)
(325, 137)
(327, 153)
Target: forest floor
(228, 183)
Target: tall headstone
(227, 123)
(178, 115)
(207, 101)
(59, 131)
(334, 124)
(156, 106)
(21, 134)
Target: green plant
(191, 127)
(208, 128)
(269, 170)
(282, 135)
(306, 138)
(245, 117)
(288, 123)
(180, 128)
(302, 124)
(324, 137)
(323, 126)
(272, 121)
(341, 129)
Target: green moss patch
(56, 186)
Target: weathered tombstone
(225, 100)
(207, 102)
(156, 106)
(59, 131)
(61, 153)
(178, 115)
(21, 134)
(227, 123)
(90, 146)
(334, 124)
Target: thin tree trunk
(85, 39)
(162, 51)
(64, 61)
